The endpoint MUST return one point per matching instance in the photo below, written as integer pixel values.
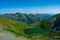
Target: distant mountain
(27, 18)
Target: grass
(13, 26)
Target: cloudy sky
(30, 6)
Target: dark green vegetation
(41, 30)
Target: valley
(12, 28)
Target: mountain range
(28, 26)
(27, 18)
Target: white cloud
(52, 9)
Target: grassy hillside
(13, 26)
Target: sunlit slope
(13, 26)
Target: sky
(30, 6)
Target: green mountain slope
(13, 26)
(47, 25)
